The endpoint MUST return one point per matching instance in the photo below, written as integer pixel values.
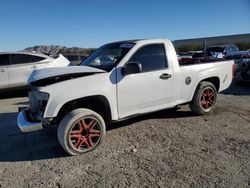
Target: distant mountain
(54, 50)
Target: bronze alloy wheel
(207, 98)
(80, 131)
(204, 98)
(85, 134)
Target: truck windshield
(108, 56)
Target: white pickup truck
(117, 81)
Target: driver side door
(149, 90)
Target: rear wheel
(80, 131)
(204, 99)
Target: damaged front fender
(47, 76)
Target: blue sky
(91, 23)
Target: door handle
(165, 76)
(2, 70)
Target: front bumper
(27, 126)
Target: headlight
(38, 101)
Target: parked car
(144, 77)
(16, 67)
(196, 57)
(185, 57)
(185, 54)
(238, 55)
(220, 51)
(243, 71)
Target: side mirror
(131, 68)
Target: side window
(4, 59)
(152, 57)
(36, 58)
(20, 59)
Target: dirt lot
(163, 149)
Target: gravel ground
(163, 149)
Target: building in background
(241, 40)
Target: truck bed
(195, 62)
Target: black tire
(76, 133)
(204, 98)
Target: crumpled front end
(25, 124)
(31, 118)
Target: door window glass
(152, 57)
(36, 58)
(20, 59)
(4, 59)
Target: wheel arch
(214, 80)
(97, 103)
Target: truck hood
(46, 76)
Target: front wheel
(204, 98)
(80, 131)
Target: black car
(220, 51)
(243, 71)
